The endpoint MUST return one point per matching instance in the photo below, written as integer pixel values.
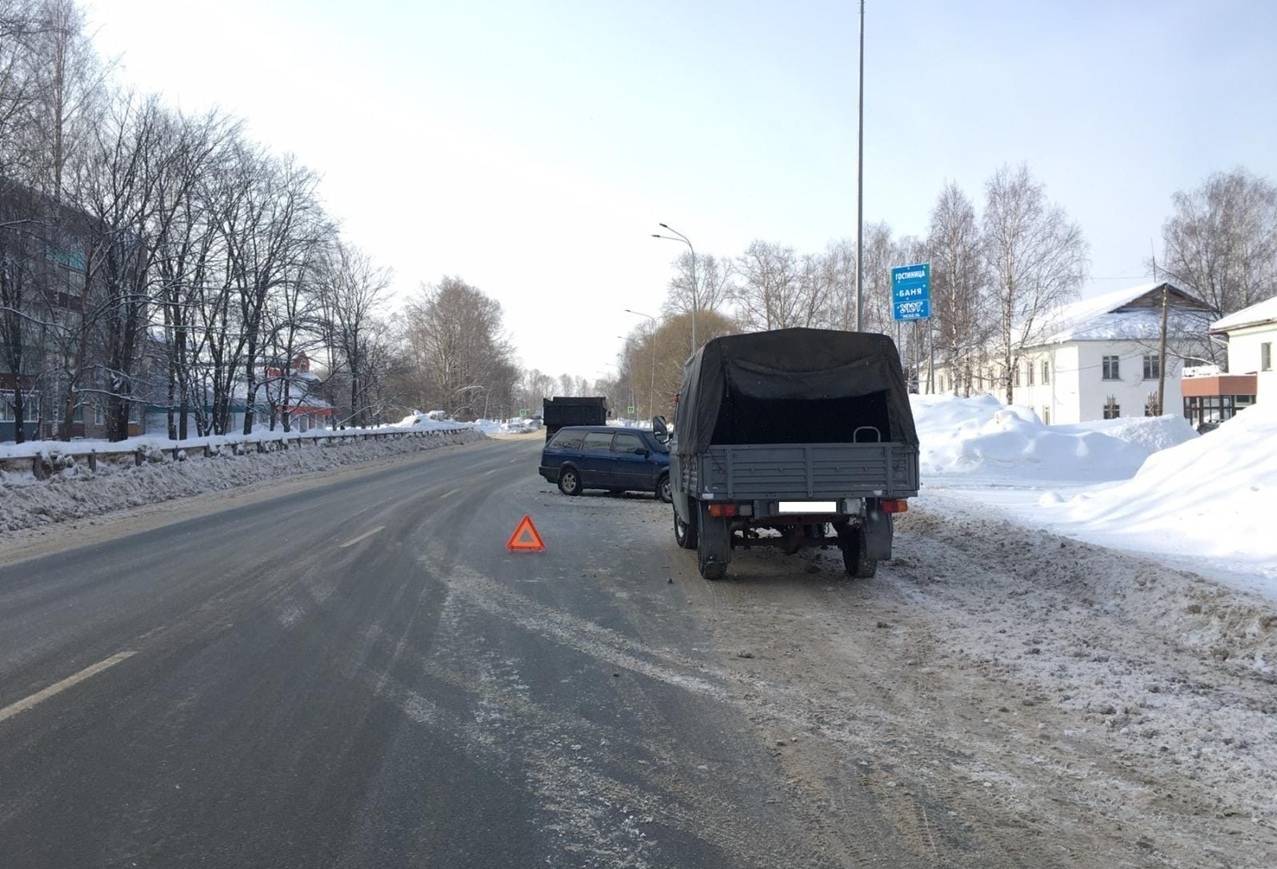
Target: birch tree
(1036, 259)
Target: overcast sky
(531, 147)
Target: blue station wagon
(604, 457)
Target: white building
(1097, 358)
(1252, 336)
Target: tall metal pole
(696, 287)
(860, 185)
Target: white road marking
(449, 493)
(58, 687)
(363, 536)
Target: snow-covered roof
(1125, 315)
(1257, 314)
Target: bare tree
(1222, 240)
(713, 283)
(958, 284)
(69, 88)
(1036, 258)
(771, 293)
(355, 289)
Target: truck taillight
(722, 511)
(894, 505)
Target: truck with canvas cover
(564, 410)
(792, 438)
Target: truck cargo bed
(744, 472)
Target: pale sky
(531, 146)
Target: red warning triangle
(525, 537)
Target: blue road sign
(911, 292)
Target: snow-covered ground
(1149, 485)
(76, 492)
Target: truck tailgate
(757, 471)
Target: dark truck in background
(792, 438)
(562, 411)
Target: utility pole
(1161, 352)
(860, 184)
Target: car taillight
(894, 505)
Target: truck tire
(684, 532)
(854, 560)
(569, 480)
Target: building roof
(1255, 315)
(1130, 314)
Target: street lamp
(651, 337)
(696, 287)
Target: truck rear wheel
(854, 560)
(684, 532)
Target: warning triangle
(525, 537)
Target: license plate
(808, 507)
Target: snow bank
(157, 442)
(430, 421)
(76, 492)
(982, 439)
(1214, 496)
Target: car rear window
(568, 440)
(627, 443)
(598, 440)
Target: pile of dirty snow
(76, 492)
(1211, 496)
(982, 439)
(430, 422)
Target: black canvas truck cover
(793, 386)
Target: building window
(1112, 410)
(1152, 366)
(1046, 415)
(6, 407)
(1046, 371)
(1017, 375)
(1111, 369)
(98, 416)
(1151, 407)
(1028, 372)
(1266, 356)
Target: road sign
(911, 292)
(525, 537)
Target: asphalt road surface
(359, 674)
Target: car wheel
(684, 533)
(570, 481)
(663, 490)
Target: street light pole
(651, 337)
(696, 287)
(860, 184)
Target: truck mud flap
(878, 531)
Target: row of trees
(159, 260)
(996, 274)
(153, 258)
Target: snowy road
(359, 674)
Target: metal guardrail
(48, 463)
